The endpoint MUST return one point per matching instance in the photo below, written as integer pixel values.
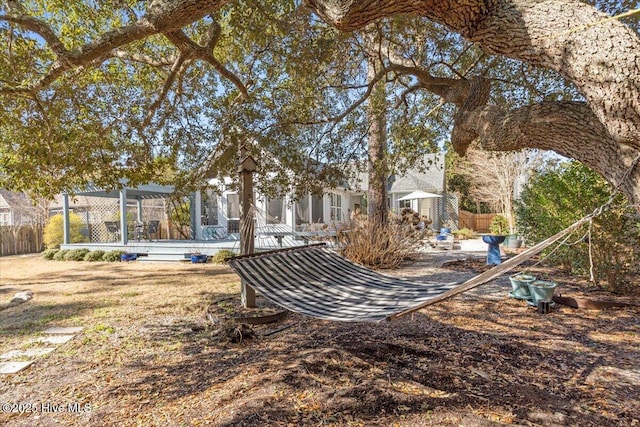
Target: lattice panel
(100, 210)
(448, 207)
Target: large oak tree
(600, 56)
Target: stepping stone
(13, 367)
(32, 352)
(63, 331)
(54, 339)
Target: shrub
(464, 233)
(94, 255)
(112, 256)
(378, 247)
(49, 253)
(499, 226)
(60, 255)
(219, 257)
(558, 197)
(76, 254)
(54, 230)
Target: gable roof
(430, 180)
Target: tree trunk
(247, 215)
(600, 56)
(377, 207)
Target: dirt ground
(149, 355)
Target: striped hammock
(317, 282)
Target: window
(275, 210)
(233, 206)
(4, 218)
(317, 209)
(404, 204)
(336, 207)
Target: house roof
(360, 182)
(10, 199)
(3, 202)
(430, 180)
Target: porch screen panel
(317, 209)
(302, 211)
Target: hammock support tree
(317, 282)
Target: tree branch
(42, 29)
(336, 119)
(212, 35)
(142, 58)
(405, 93)
(541, 33)
(176, 69)
(192, 50)
(162, 16)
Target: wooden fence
(172, 231)
(476, 222)
(21, 239)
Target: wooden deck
(179, 250)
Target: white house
(332, 209)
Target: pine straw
(147, 356)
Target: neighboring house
(333, 208)
(18, 209)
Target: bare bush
(386, 247)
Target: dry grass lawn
(148, 356)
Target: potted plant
(128, 257)
(520, 285)
(199, 258)
(542, 290)
(499, 226)
(513, 241)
